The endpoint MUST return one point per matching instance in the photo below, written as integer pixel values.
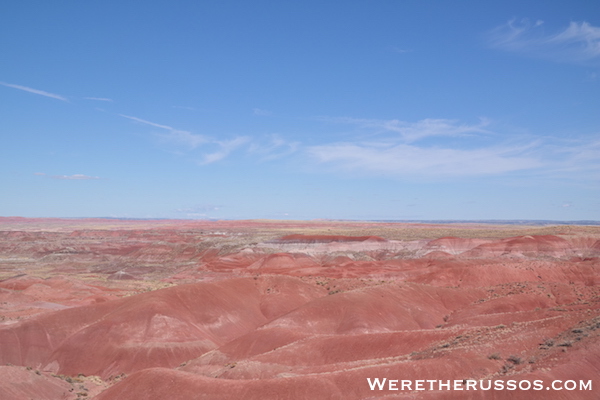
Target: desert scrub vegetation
(514, 359)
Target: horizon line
(517, 221)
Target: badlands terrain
(158, 309)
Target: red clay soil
(159, 328)
(453, 245)
(181, 309)
(23, 296)
(18, 383)
(546, 245)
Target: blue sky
(408, 110)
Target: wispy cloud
(35, 91)
(203, 208)
(274, 148)
(143, 121)
(78, 177)
(395, 149)
(410, 132)
(98, 99)
(186, 138)
(410, 160)
(217, 149)
(225, 147)
(175, 135)
(198, 211)
(579, 43)
(573, 159)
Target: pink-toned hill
(328, 238)
(21, 384)
(229, 310)
(543, 245)
(160, 328)
(23, 295)
(453, 245)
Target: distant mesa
(328, 239)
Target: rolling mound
(111, 309)
(453, 245)
(22, 384)
(160, 328)
(327, 238)
(542, 245)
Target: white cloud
(143, 121)
(36, 91)
(186, 138)
(579, 43)
(98, 99)
(410, 160)
(74, 177)
(573, 160)
(225, 148)
(198, 210)
(397, 148)
(276, 147)
(410, 132)
(176, 136)
(192, 141)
